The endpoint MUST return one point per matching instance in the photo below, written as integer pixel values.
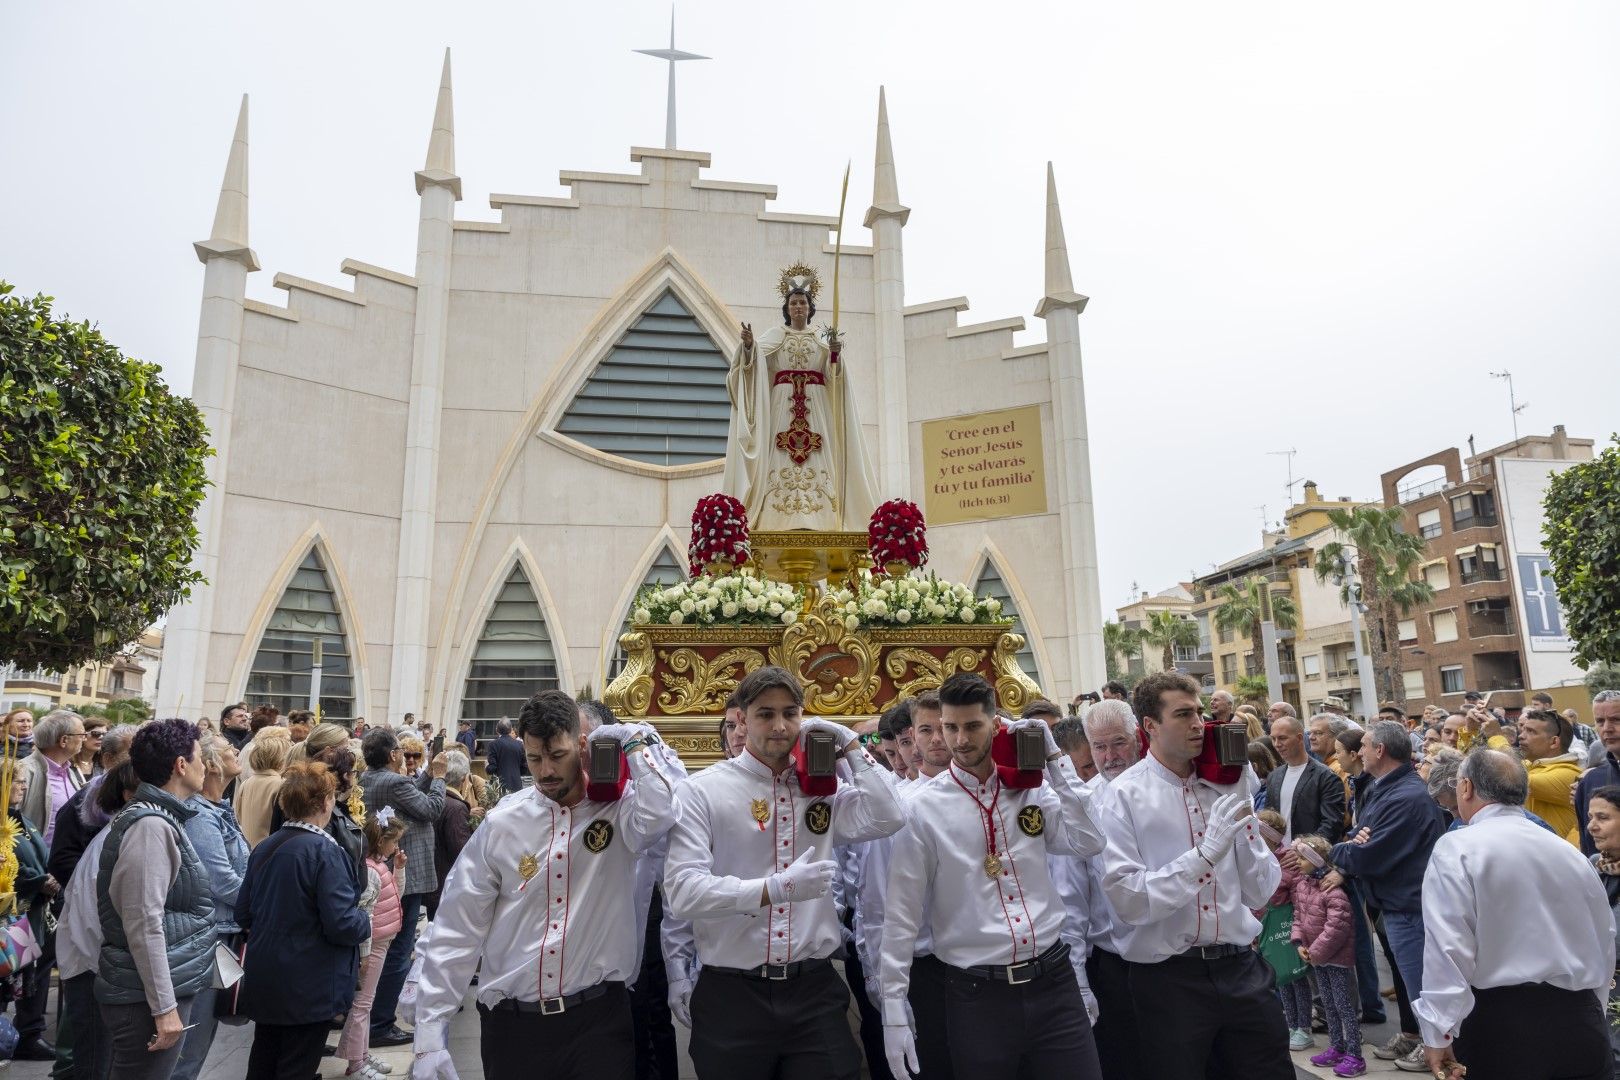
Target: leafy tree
(101, 470)
(1600, 677)
(1120, 643)
(1244, 608)
(1582, 529)
(1252, 688)
(1387, 559)
(1168, 631)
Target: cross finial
(671, 54)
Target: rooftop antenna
(672, 54)
(1263, 519)
(1513, 402)
(1288, 490)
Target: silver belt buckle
(1031, 966)
(774, 972)
(1209, 952)
(552, 1006)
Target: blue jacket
(506, 762)
(1591, 780)
(1404, 822)
(304, 924)
(223, 852)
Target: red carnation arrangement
(897, 534)
(719, 533)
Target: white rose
(902, 615)
(688, 606)
(966, 614)
(850, 608)
(851, 623)
(699, 587)
(756, 586)
(774, 608)
(642, 615)
(751, 604)
(729, 609)
(789, 618)
(676, 618)
(993, 606)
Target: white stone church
(499, 447)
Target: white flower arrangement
(914, 600)
(732, 600)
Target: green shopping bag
(1275, 947)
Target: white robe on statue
(782, 458)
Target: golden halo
(800, 274)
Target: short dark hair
(1609, 793)
(304, 788)
(1114, 686)
(1391, 707)
(1541, 696)
(1350, 738)
(1145, 699)
(897, 720)
(340, 759)
(928, 699)
(227, 710)
(770, 677)
(1042, 707)
(731, 702)
(548, 714)
(121, 781)
(1561, 728)
(1070, 734)
(966, 688)
(157, 745)
(464, 722)
(599, 711)
(377, 746)
(300, 716)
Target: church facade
(477, 464)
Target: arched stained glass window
(665, 570)
(513, 659)
(659, 396)
(990, 584)
(281, 670)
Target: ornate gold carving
(831, 693)
(711, 681)
(630, 694)
(1014, 689)
(927, 670)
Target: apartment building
(1194, 660)
(130, 674)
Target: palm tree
(1387, 559)
(1120, 643)
(1245, 608)
(1168, 631)
(1252, 688)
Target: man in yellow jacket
(1544, 739)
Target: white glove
(434, 1065)
(802, 880)
(620, 733)
(1041, 726)
(900, 1047)
(815, 723)
(680, 1001)
(1091, 1003)
(1220, 830)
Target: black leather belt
(1017, 974)
(773, 972)
(556, 1005)
(1210, 952)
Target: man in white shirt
(544, 895)
(1184, 866)
(1518, 941)
(751, 865)
(1111, 729)
(973, 856)
(1308, 794)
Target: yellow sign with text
(983, 466)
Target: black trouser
(1222, 1016)
(35, 983)
(927, 999)
(287, 1051)
(1027, 1031)
(1570, 1040)
(1115, 1029)
(656, 1055)
(593, 1040)
(877, 1062)
(745, 1028)
(92, 1052)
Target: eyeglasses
(94, 734)
(413, 757)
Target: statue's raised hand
(747, 336)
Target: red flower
(719, 531)
(897, 533)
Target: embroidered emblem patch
(598, 835)
(1032, 821)
(818, 817)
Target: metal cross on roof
(671, 54)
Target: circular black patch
(598, 835)
(1032, 821)
(818, 817)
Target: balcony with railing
(1495, 622)
(1481, 573)
(1414, 492)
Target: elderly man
(1221, 706)
(74, 830)
(1307, 793)
(1280, 709)
(1606, 716)
(49, 772)
(1488, 980)
(420, 804)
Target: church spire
(1059, 282)
(440, 168)
(885, 187)
(229, 236)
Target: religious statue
(796, 458)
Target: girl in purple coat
(1324, 932)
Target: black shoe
(1372, 1018)
(329, 1050)
(35, 1049)
(392, 1037)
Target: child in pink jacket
(1296, 996)
(1324, 932)
(382, 842)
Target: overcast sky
(1301, 226)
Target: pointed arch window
(513, 659)
(659, 396)
(281, 670)
(990, 584)
(666, 570)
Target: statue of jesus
(795, 457)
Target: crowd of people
(1128, 905)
